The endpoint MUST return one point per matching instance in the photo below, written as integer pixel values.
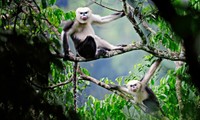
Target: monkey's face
(83, 14)
(134, 85)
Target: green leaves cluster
(109, 108)
(27, 58)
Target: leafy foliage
(28, 66)
(20, 68)
(27, 44)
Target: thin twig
(61, 84)
(106, 6)
(53, 86)
(75, 83)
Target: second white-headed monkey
(141, 93)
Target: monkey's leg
(106, 45)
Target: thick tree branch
(174, 56)
(102, 84)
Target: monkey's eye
(133, 85)
(81, 13)
(86, 12)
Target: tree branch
(95, 81)
(174, 56)
(53, 86)
(102, 84)
(132, 14)
(131, 18)
(178, 90)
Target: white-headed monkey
(86, 42)
(142, 95)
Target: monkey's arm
(67, 30)
(122, 89)
(151, 71)
(105, 19)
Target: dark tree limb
(104, 85)
(174, 56)
(95, 81)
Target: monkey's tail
(164, 117)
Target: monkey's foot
(101, 52)
(122, 45)
(68, 56)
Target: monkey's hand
(121, 14)
(114, 87)
(120, 47)
(68, 55)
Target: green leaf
(51, 2)
(70, 15)
(44, 4)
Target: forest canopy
(36, 83)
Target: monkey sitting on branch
(86, 42)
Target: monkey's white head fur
(83, 14)
(134, 85)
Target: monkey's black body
(151, 102)
(87, 48)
